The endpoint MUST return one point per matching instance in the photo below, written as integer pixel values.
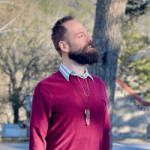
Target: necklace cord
(83, 88)
(86, 106)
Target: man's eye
(80, 35)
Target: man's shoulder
(55, 76)
(97, 79)
(52, 79)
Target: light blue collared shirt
(66, 72)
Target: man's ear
(64, 46)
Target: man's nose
(89, 39)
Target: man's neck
(74, 66)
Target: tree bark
(107, 38)
(16, 113)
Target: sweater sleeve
(106, 126)
(106, 131)
(40, 117)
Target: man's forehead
(74, 26)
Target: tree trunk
(16, 113)
(107, 37)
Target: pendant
(87, 115)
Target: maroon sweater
(58, 120)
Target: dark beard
(81, 56)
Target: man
(69, 108)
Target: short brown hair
(59, 31)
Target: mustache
(91, 43)
(84, 49)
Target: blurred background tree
(137, 8)
(25, 56)
(134, 60)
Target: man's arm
(106, 131)
(39, 118)
(106, 125)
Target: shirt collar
(66, 72)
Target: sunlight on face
(77, 36)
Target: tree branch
(14, 29)
(6, 25)
(28, 69)
(7, 2)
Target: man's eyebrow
(80, 33)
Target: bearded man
(69, 108)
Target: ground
(116, 146)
